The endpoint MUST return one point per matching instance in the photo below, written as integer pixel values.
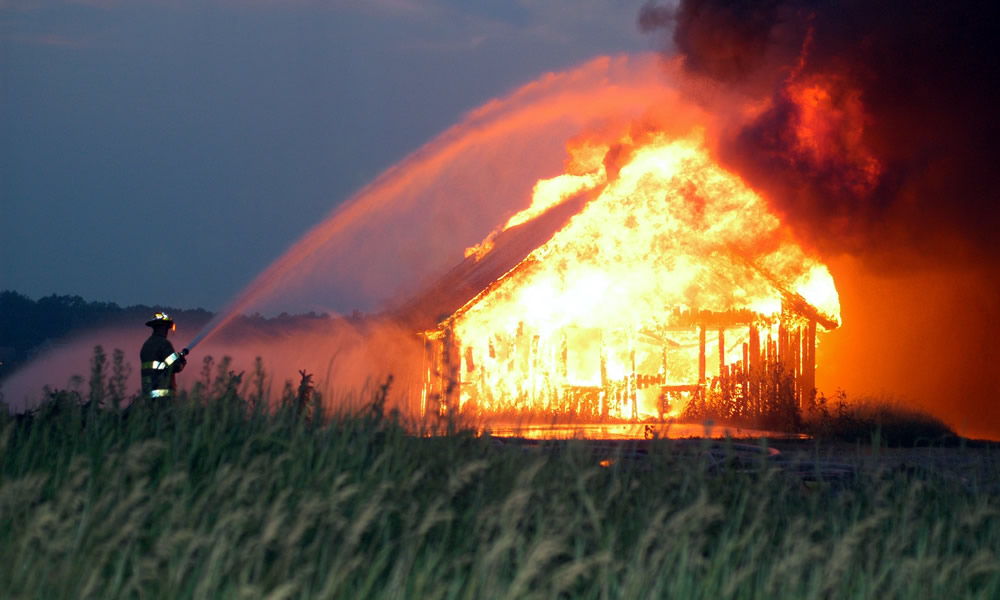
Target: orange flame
(671, 235)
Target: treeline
(29, 326)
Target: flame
(586, 158)
(671, 236)
(585, 170)
(550, 192)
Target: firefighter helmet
(161, 318)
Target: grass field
(214, 497)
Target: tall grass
(882, 417)
(217, 496)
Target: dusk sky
(166, 151)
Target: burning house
(644, 282)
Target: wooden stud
(796, 343)
(754, 368)
(701, 357)
(723, 384)
(810, 363)
(633, 393)
(605, 394)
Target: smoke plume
(869, 126)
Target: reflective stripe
(161, 393)
(160, 366)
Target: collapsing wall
(747, 365)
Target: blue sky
(166, 151)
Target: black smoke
(915, 86)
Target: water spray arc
(210, 328)
(426, 179)
(271, 276)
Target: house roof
(477, 274)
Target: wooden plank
(810, 365)
(679, 388)
(451, 370)
(797, 365)
(605, 388)
(723, 375)
(633, 385)
(755, 368)
(745, 376)
(701, 355)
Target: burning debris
(609, 299)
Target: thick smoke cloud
(875, 123)
(870, 127)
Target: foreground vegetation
(214, 496)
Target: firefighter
(160, 364)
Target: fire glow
(609, 318)
(608, 297)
